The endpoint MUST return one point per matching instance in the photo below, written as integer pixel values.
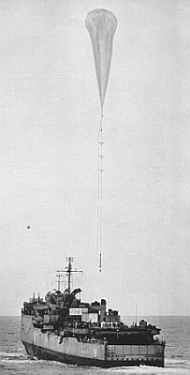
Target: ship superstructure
(64, 328)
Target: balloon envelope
(101, 25)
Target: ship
(63, 328)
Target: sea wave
(149, 371)
(177, 362)
(21, 358)
(12, 356)
(171, 364)
(172, 367)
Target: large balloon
(101, 25)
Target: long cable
(100, 189)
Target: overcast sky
(49, 116)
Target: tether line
(100, 190)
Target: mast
(69, 271)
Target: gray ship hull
(49, 345)
(49, 354)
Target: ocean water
(175, 331)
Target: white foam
(172, 367)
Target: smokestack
(103, 310)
